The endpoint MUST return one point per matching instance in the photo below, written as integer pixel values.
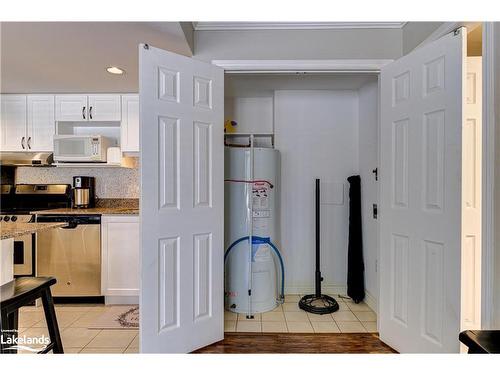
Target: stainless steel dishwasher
(72, 254)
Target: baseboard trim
(121, 300)
(371, 301)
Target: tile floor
(350, 318)
(76, 337)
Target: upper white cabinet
(104, 107)
(129, 137)
(96, 107)
(120, 258)
(70, 107)
(27, 122)
(41, 123)
(13, 123)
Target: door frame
(373, 66)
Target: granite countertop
(110, 206)
(12, 230)
(91, 211)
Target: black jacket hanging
(355, 264)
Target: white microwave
(81, 148)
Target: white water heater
(252, 197)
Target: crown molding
(226, 26)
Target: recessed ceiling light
(115, 70)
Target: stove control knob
(6, 218)
(13, 218)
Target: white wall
(298, 44)
(317, 135)
(414, 33)
(368, 161)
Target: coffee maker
(83, 192)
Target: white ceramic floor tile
(344, 316)
(109, 338)
(135, 342)
(320, 318)
(88, 350)
(274, 316)
(274, 326)
(299, 327)
(366, 316)
(351, 327)
(248, 326)
(77, 337)
(72, 350)
(243, 317)
(64, 318)
(325, 327)
(30, 318)
(292, 298)
(358, 306)
(229, 315)
(131, 350)
(370, 326)
(86, 319)
(343, 306)
(291, 306)
(296, 316)
(230, 326)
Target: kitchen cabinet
(71, 107)
(95, 107)
(40, 123)
(129, 131)
(13, 123)
(104, 107)
(27, 122)
(120, 258)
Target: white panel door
(129, 127)
(41, 123)
(471, 196)
(13, 123)
(71, 107)
(181, 115)
(105, 107)
(420, 215)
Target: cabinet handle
(83, 113)
(22, 142)
(90, 112)
(29, 143)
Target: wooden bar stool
(20, 292)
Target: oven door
(24, 253)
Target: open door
(422, 100)
(182, 204)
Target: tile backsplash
(110, 182)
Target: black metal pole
(318, 272)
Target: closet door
(182, 203)
(41, 123)
(422, 99)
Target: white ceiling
(215, 26)
(72, 56)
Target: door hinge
(146, 46)
(375, 172)
(375, 210)
(457, 31)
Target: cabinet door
(104, 107)
(129, 137)
(13, 123)
(120, 255)
(71, 107)
(41, 123)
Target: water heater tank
(261, 192)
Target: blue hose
(262, 240)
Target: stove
(17, 203)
